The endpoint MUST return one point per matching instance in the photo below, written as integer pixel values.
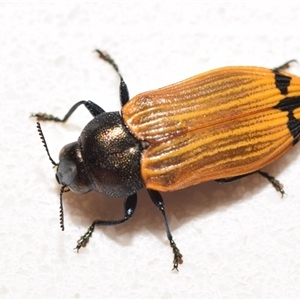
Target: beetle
(220, 125)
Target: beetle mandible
(220, 125)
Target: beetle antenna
(38, 125)
(61, 208)
(63, 189)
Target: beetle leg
(158, 201)
(124, 94)
(276, 184)
(285, 65)
(92, 107)
(129, 208)
(231, 179)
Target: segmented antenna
(63, 189)
(38, 125)
(61, 209)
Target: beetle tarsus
(45, 117)
(276, 184)
(82, 242)
(177, 256)
(285, 65)
(106, 57)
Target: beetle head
(69, 171)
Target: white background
(240, 240)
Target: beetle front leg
(158, 201)
(129, 208)
(92, 107)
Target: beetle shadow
(181, 206)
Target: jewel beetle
(220, 125)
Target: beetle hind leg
(232, 179)
(285, 65)
(276, 184)
(129, 208)
(158, 201)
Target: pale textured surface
(239, 240)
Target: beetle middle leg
(124, 94)
(158, 201)
(129, 208)
(276, 184)
(92, 107)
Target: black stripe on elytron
(288, 104)
(282, 82)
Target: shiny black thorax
(105, 159)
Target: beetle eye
(66, 172)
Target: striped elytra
(223, 123)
